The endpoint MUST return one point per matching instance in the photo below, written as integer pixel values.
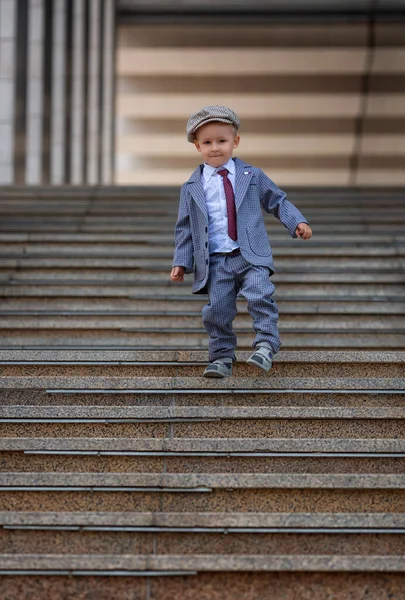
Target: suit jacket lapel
(197, 190)
(242, 181)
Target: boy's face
(216, 142)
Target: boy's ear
(236, 141)
(197, 145)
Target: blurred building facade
(99, 92)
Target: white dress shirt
(219, 240)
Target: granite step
(159, 278)
(30, 305)
(203, 455)
(231, 523)
(164, 216)
(166, 239)
(163, 266)
(193, 324)
(170, 291)
(209, 542)
(92, 306)
(59, 289)
(293, 339)
(202, 492)
(79, 225)
(295, 248)
(183, 565)
(176, 383)
(205, 422)
(191, 364)
(340, 397)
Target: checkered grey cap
(209, 114)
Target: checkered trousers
(228, 277)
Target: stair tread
(32, 413)
(204, 481)
(208, 445)
(175, 383)
(196, 519)
(201, 562)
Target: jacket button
(206, 230)
(206, 262)
(206, 244)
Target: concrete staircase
(124, 473)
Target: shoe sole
(216, 375)
(258, 365)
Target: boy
(220, 235)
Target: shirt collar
(209, 171)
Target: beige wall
(310, 115)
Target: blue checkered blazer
(253, 191)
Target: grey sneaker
(262, 357)
(222, 367)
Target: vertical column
(78, 92)
(47, 91)
(93, 105)
(108, 92)
(58, 104)
(35, 92)
(8, 11)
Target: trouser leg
(258, 289)
(219, 313)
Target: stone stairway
(124, 473)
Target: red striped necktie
(230, 204)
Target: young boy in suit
(220, 235)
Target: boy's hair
(234, 130)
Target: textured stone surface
(257, 543)
(195, 356)
(79, 588)
(331, 445)
(110, 383)
(280, 586)
(189, 413)
(337, 389)
(128, 339)
(205, 562)
(227, 520)
(207, 480)
(82, 430)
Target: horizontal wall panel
(384, 144)
(386, 83)
(389, 34)
(392, 105)
(253, 145)
(283, 178)
(216, 35)
(288, 125)
(319, 104)
(263, 105)
(387, 162)
(387, 178)
(268, 84)
(155, 61)
(395, 125)
(389, 60)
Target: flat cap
(209, 114)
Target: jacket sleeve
(274, 201)
(183, 251)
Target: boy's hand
(177, 274)
(303, 231)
